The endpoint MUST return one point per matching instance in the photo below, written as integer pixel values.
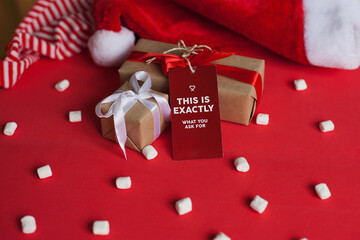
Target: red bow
(205, 57)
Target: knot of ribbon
(186, 52)
(122, 102)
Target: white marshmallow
(303, 239)
(44, 172)
(326, 126)
(300, 85)
(62, 85)
(10, 128)
(101, 227)
(149, 152)
(183, 206)
(123, 182)
(28, 224)
(322, 191)
(75, 116)
(221, 236)
(262, 119)
(241, 164)
(258, 204)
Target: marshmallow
(258, 204)
(221, 236)
(303, 239)
(123, 182)
(262, 119)
(322, 191)
(44, 172)
(300, 84)
(326, 126)
(62, 85)
(149, 152)
(241, 164)
(101, 227)
(28, 224)
(10, 128)
(183, 206)
(75, 116)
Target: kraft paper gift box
(139, 123)
(237, 99)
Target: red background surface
(286, 158)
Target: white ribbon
(122, 101)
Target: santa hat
(111, 43)
(318, 32)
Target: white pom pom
(109, 48)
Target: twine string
(186, 52)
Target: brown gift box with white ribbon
(139, 123)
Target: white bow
(122, 101)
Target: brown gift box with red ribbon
(237, 97)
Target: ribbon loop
(123, 101)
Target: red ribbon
(168, 61)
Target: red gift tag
(195, 115)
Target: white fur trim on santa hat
(109, 48)
(332, 33)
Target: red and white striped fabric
(53, 28)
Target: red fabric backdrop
(286, 159)
(277, 25)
